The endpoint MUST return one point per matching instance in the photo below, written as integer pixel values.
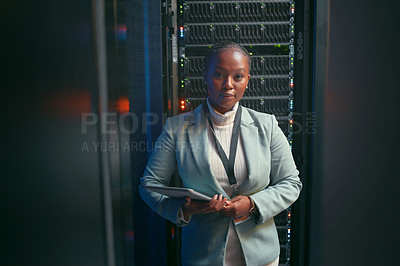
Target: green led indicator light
(251, 53)
(180, 6)
(183, 86)
(181, 65)
(181, 11)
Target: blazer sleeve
(158, 172)
(285, 186)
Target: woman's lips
(228, 95)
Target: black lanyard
(228, 164)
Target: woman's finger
(217, 203)
(212, 202)
(221, 203)
(220, 198)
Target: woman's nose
(229, 83)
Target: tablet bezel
(179, 193)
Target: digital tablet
(180, 193)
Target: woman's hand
(194, 207)
(236, 207)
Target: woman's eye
(239, 76)
(218, 75)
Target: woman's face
(227, 78)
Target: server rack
(267, 30)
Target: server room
(90, 86)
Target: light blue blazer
(273, 184)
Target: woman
(235, 154)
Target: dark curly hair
(223, 46)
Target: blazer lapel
(200, 148)
(250, 139)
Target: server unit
(267, 30)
